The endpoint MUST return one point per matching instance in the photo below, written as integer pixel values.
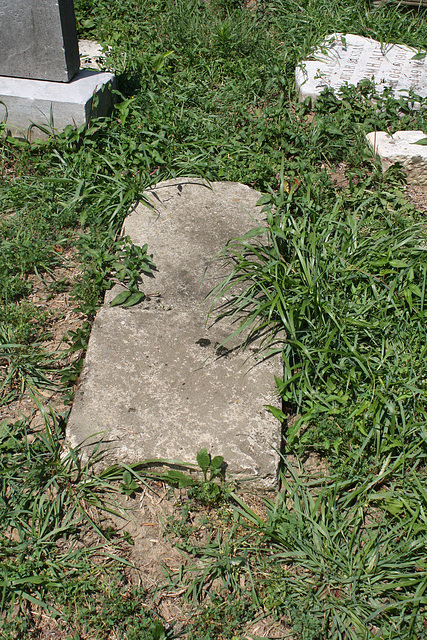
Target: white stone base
(400, 148)
(35, 109)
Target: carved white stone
(92, 55)
(349, 59)
(401, 147)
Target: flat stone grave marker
(158, 382)
(349, 59)
(401, 147)
(38, 39)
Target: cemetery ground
(338, 550)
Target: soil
(61, 318)
(417, 196)
(153, 523)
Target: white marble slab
(401, 147)
(349, 59)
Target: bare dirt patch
(51, 294)
(417, 195)
(154, 519)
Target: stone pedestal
(34, 109)
(41, 88)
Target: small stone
(92, 55)
(401, 147)
(348, 59)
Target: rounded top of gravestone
(347, 59)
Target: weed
(107, 262)
(128, 486)
(45, 502)
(212, 489)
(222, 618)
(348, 565)
(24, 367)
(113, 605)
(328, 561)
(25, 320)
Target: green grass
(339, 287)
(336, 284)
(334, 558)
(51, 537)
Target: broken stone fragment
(402, 147)
(92, 55)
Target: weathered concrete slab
(401, 147)
(38, 39)
(155, 379)
(349, 59)
(27, 105)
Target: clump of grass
(333, 558)
(50, 512)
(43, 500)
(338, 555)
(341, 293)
